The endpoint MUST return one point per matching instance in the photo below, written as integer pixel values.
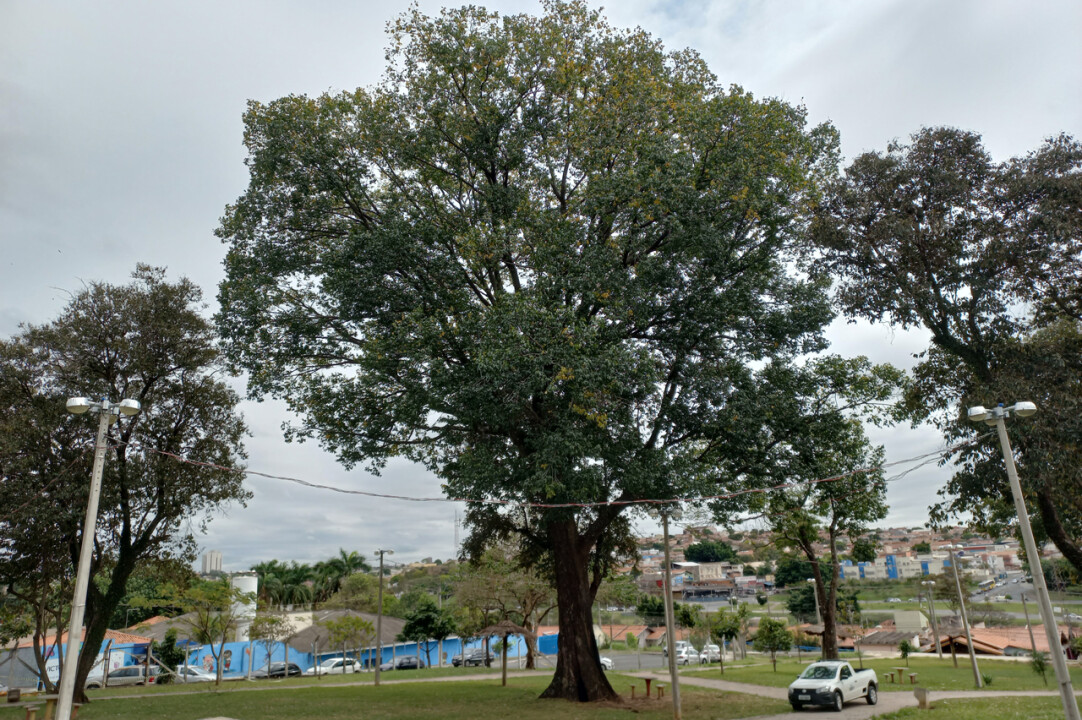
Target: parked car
(1074, 617)
(679, 645)
(411, 662)
(338, 666)
(278, 670)
(894, 599)
(833, 683)
(685, 655)
(127, 675)
(193, 674)
(710, 653)
(607, 663)
(473, 658)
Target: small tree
(726, 627)
(905, 647)
(270, 629)
(349, 630)
(1038, 661)
(168, 654)
(773, 637)
(214, 609)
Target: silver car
(127, 675)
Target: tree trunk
(578, 675)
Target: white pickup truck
(833, 683)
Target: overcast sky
(120, 142)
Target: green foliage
(773, 637)
(632, 641)
(905, 648)
(148, 341)
(864, 550)
(1038, 661)
(792, 571)
(427, 622)
(761, 599)
(688, 615)
(707, 551)
(168, 653)
(353, 631)
(652, 609)
(544, 258)
(984, 256)
(922, 547)
(801, 602)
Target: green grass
(932, 674)
(1015, 708)
(423, 701)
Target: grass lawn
(1015, 708)
(932, 674)
(423, 701)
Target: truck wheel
(838, 701)
(797, 707)
(873, 695)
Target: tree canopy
(710, 551)
(985, 256)
(146, 341)
(544, 258)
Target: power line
(924, 459)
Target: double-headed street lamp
(995, 417)
(670, 640)
(379, 613)
(109, 413)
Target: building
(212, 562)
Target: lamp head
(78, 405)
(129, 407)
(978, 413)
(1024, 408)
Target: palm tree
(332, 573)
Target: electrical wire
(924, 458)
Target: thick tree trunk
(578, 675)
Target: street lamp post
(108, 413)
(965, 622)
(670, 640)
(379, 614)
(996, 416)
(935, 627)
(815, 594)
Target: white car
(193, 674)
(679, 645)
(710, 653)
(607, 663)
(334, 666)
(685, 654)
(894, 599)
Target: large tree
(147, 341)
(543, 258)
(986, 257)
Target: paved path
(856, 710)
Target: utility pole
(670, 639)
(1029, 626)
(379, 614)
(965, 621)
(935, 627)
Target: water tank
(246, 582)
